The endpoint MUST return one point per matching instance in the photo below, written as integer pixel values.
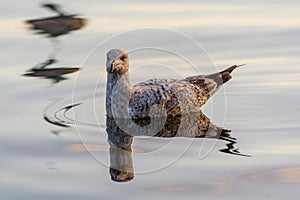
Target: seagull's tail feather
(230, 69)
(223, 76)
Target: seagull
(156, 97)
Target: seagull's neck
(118, 81)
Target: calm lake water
(53, 126)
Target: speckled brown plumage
(156, 97)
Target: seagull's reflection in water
(194, 125)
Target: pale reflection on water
(44, 161)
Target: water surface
(44, 140)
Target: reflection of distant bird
(53, 27)
(56, 74)
(57, 25)
(174, 96)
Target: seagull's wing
(156, 82)
(152, 92)
(175, 96)
(203, 86)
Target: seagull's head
(117, 61)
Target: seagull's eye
(123, 57)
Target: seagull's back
(175, 96)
